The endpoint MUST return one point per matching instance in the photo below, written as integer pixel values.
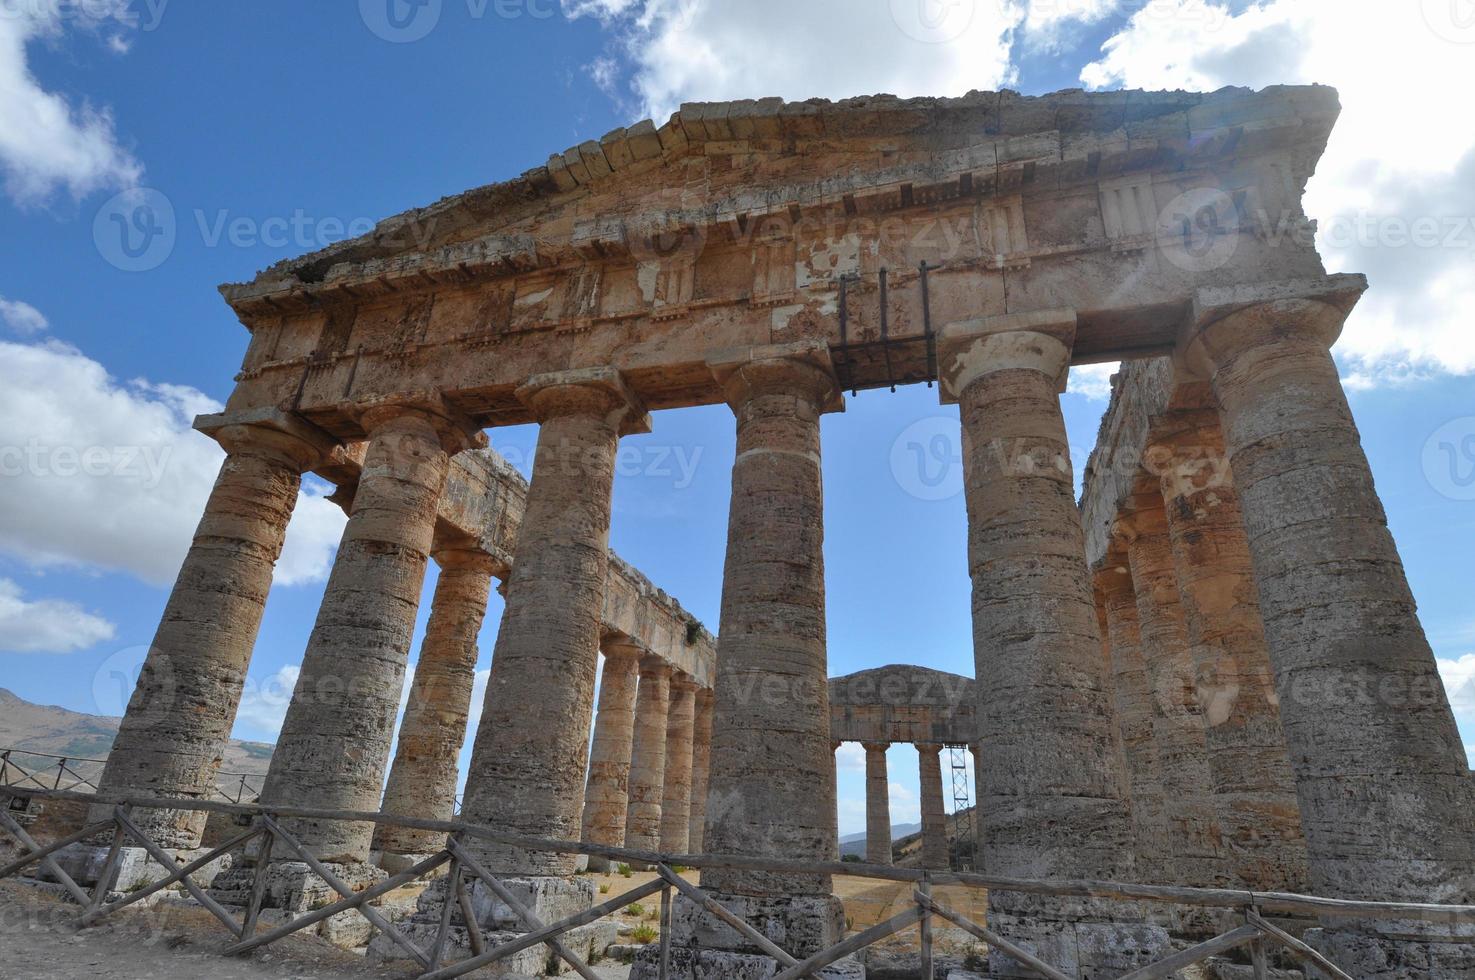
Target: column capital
(682, 682)
(599, 392)
(620, 648)
(457, 431)
(876, 746)
(654, 667)
(928, 748)
(802, 369)
(271, 433)
(1230, 320)
(464, 556)
(972, 349)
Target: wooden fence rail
(1255, 932)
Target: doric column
(878, 805)
(174, 733)
(1254, 791)
(606, 794)
(335, 739)
(701, 761)
(1192, 845)
(934, 817)
(676, 796)
(1135, 707)
(1387, 802)
(648, 757)
(773, 771)
(528, 765)
(422, 780)
(1050, 797)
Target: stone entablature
(737, 231)
(901, 703)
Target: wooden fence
(1256, 933)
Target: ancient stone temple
(1209, 672)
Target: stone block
(1369, 956)
(136, 869)
(585, 942)
(292, 885)
(547, 897)
(801, 925)
(346, 930)
(716, 964)
(1078, 948)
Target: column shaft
(1254, 791)
(607, 793)
(1192, 844)
(701, 762)
(1387, 803)
(173, 736)
(934, 817)
(336, 736)
(1049, 798)
(676, 795)
(1135, 707)
(528, 765)
(772, 766)
(422, 780)
(648, 758)
(878, 805)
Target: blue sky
(273, 127)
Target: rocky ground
(174, 940)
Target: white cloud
(22, 318)
(264, 704)
(1397, 158)
(48, 141)
(850, 757)
(1092, 380)
(906, 805)
(98, 474)
(702, 50)
(46, 625)
(1459, 684)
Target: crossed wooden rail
(13, 773)
(1256, 932)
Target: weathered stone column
(173, 735)
(1134, 705)
(701, 762)
(648, 757)
(1387, 802)
(1254, 791)
(878, 805)
(934, 817)
(336, 736)
(1049, 798)
(528, 766)
(607, 793)
(1192, 848)
(772, 782)
(676, 795)
(422, 780)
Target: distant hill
(856, 843)
(51, 730)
